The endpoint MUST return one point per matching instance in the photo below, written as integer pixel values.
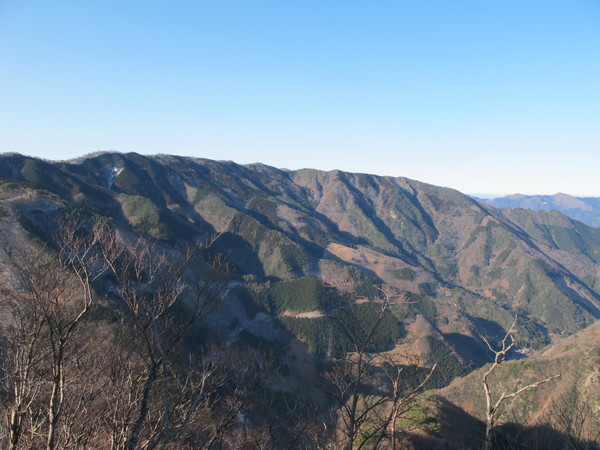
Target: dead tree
(492, 407)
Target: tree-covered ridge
(453, 273)
(477, 263)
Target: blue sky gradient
(481, 96)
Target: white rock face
(112, 175)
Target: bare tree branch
(492, 407)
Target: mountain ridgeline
(463, 268)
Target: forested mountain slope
(468, 266)
(324, 269)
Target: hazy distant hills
(585, 209)
(464, 266)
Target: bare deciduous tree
(125, 381)
(575, 419)
(365, 419)
(161, 301)
(46, 297)
(492, 407)
(401, 401)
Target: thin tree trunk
(16, 415)
(354, 405)
(56, 398)
(15, 427)
(488, 443)
(134, 434)
(393, 431)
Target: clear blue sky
(479, 95)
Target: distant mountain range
(468, 266)
(460, 268)
(585, 209)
